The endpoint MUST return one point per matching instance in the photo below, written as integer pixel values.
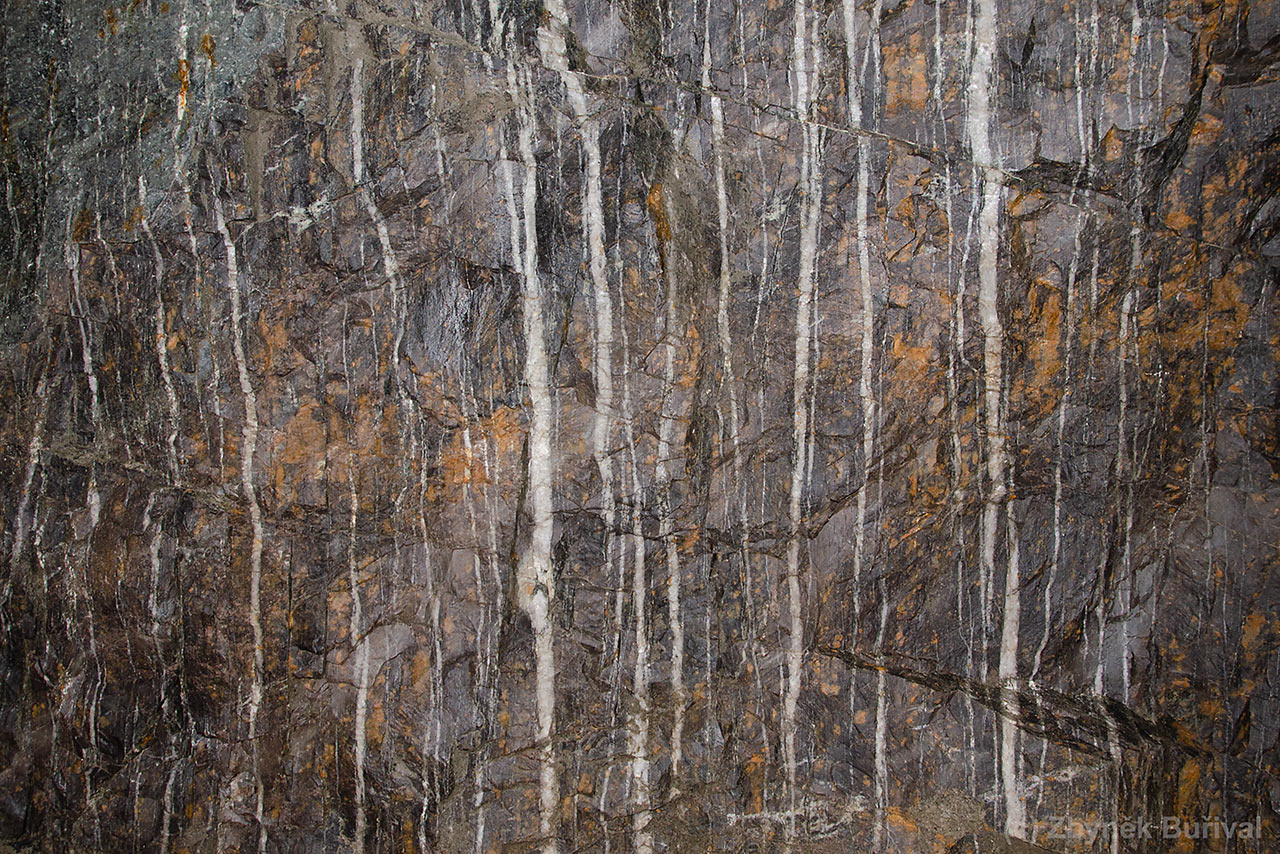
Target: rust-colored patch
(207, 44)
(461, 465)
(1112, 145)
(1254, 624)
(183, 76)
(1027, 202)
(753, 777)
(899, 818)
(658, 210)
(135, 218)
(905, 76)
(1043, 348)
(83, 227)
(1188, 783)
(829, 676)
(1178, 220)
(276, 347)
(304, 436)
(911, 362)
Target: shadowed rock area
(673, 426)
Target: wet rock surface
(654, 426)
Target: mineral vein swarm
(649, 426)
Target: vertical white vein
(249, 445)
(431, 736)
(737, 498)
(390, 270)
(811, 187)
(534, 584)
(491, 464)
(880, 791)
(1125, 448)
(93, 499)
(21, 524)
(552, 46)
(215, 381)
(484, 628)
(722, 222)
(638, 726)
(753, 614)
(664, 475)
(981, 86)
(1061, 427)
(167, 816)
(1100, 599)
(153, 599)
(639, 557)
(855, 87)
(359, 649)
(160, 335)
(390, 265)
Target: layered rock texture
(640, 426)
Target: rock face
(665, 426)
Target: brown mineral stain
(1112, 145)
(135, 218)
(419, 668)
(1228, 309)
(829, 676)
(460, 466)
(1207, 129)
(1188, 783)
(1044, 346)
(753, 782)
(1178, 220)
(304, 436)
(1219, 216)
(1253, 627)
(658, 210)
(1027, 202)
(905, 70)
(899, 818)
(692, 371)
(1210, 709)
(83, 227)
(912, 362)
(375, 722)
(183, 75)
(276, 347)
(207, 44)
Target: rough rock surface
(840, 426)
